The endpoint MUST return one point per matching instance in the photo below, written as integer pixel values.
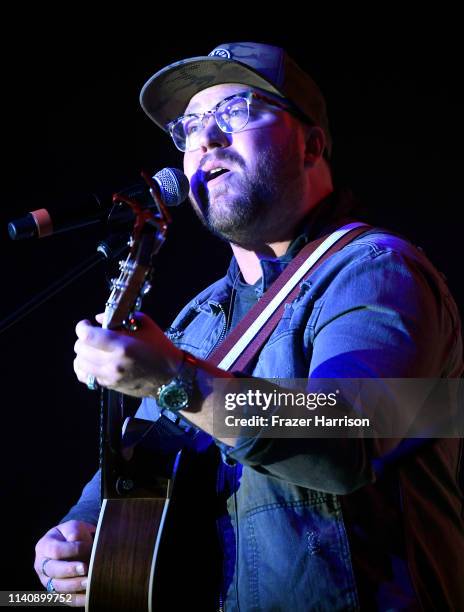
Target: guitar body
(155, 518)
(123, 563)
(139, 483)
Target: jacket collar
(324, 218)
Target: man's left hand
(134, 363)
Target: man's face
(261, 197)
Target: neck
(248, 260)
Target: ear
(314, 146)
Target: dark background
(71, 123)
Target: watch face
(173, 396)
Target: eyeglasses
(231, 114)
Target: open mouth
(215, 173)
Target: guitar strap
(247, 338)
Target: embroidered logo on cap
(220, 53)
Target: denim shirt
(329, 524)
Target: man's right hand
(67, 548)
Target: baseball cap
(166, 94)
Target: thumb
(77, 531)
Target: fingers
(102, 339)
(66, 576)
(54, 546)
(68, 585)
(70, 575)
(107, 374)
(76, 586)
(92, 356)
(78, 601)
(62, 555)
(68, 549)
(76, 530)
(52, 568)
(131, 363)
(100, 352)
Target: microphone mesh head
(173, 184)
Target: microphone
(90, 209)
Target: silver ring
(92, 384)
(44, 563)
(50, 587)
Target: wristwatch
(177, 393)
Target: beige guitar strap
(246, 339)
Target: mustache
(222, 156)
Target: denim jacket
(328, 524)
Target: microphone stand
(108, 249)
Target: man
(306, 524)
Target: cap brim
(167, 93)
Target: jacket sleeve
(87, 508)
(384, 315)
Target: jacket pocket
(297, 558)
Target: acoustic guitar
(136, 481)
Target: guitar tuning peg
(121, 263)
(146, 288)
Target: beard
(252, 208)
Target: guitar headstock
(133, 282)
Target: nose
(212, 137)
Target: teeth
(215, 172)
